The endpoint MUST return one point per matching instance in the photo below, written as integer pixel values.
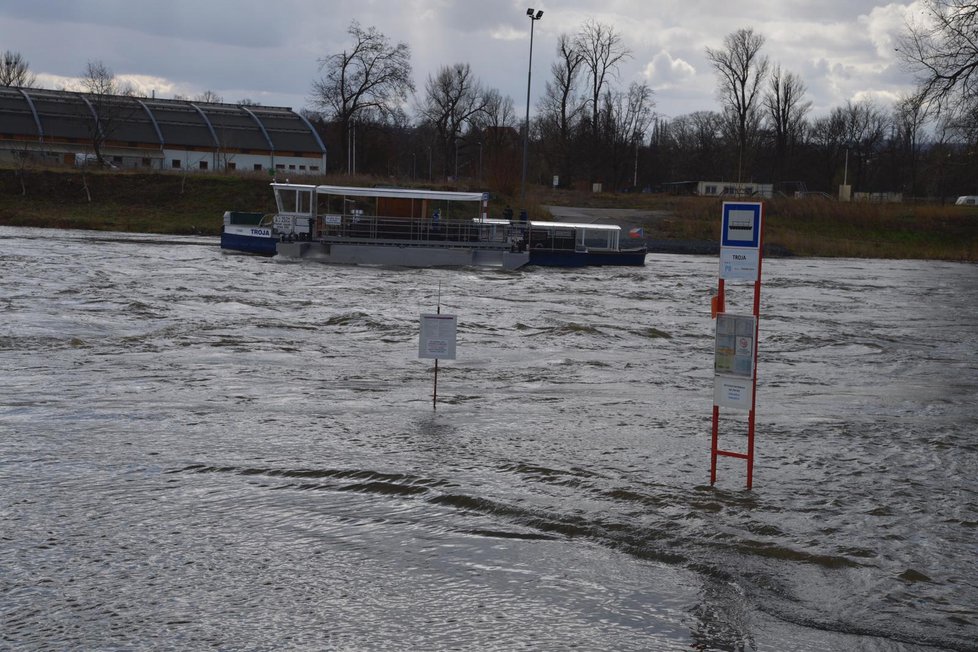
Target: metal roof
(399, 193)
(65, 115)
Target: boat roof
(573, 225)
(556, 225)
(394, 193)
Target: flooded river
(203, 450)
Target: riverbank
(193, 203)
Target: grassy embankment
(194, 203)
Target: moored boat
(249, 233)
(563, 244)
(378, 226)
(414, 228)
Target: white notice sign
(734, 393)
(739, 264)
(437, 339)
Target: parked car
(967, 200)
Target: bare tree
(370, 81)
(15, 71)
(209, 97)
(560, 104)
(453, 99)
(110, 102)
(942, 50)
(635, 115)
(601, 50)
(498, 111)
(786, 110)
(694, 143)
(909, 118)
(627, 116)
(741, 70)
(561, 107)
(862, 128)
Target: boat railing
(399, 230)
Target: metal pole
(434, 393)
(526, 134)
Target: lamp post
(534, 17)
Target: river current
(206, 450)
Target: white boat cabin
(309, 209)
(577, 237)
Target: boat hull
(399, 255)
(567, 258)
(249, 240)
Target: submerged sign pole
(437, 340)
(735, 354)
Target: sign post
(437, 340)
(735, 353)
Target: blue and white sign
(740, 241)
(741, 225)
(738, 264)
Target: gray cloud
(268, 51)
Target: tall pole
(534, 17)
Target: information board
(735, 345)
(438, 337)
(733, 361)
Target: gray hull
(402, 255)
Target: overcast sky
(268, 51)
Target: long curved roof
(48, 115)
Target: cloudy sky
(268, 51)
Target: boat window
(304, 204)
(332, 204)
(596, 239)
(292, 200)
(285, 198)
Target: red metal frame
(719, 306)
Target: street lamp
(534, 17)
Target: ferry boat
(564, 244)
(377, 226)
(413, 228)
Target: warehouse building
(62, 127)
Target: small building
(879, 197)
(734, 189)
(63, 127)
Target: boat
(413, 228)
(377, 226)
(249, 233)
(564, 244)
